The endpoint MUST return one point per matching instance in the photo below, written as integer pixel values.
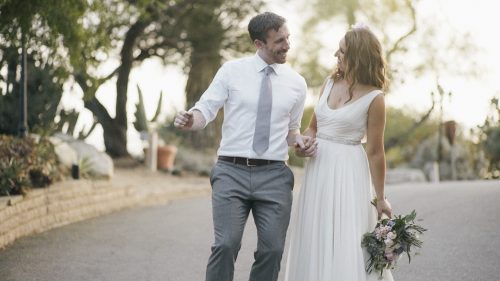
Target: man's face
(276, 46)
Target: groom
(263, 102)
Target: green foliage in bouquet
(390, 238)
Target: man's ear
(259, 44)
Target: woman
(334, 211)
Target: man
(263, 102)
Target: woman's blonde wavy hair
(364, 60)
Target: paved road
(171, 242)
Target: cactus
(141, 122)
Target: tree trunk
(115, 140)
(115, 129)
(205, 35)
(115, 137)
(204, 66)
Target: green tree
(45, 24)
(188, 33)
(45, 88)
(214, 29)
(50, 31)
(195, 34)
(139, 30)
(489, 134)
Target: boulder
(66, 155)
(402, 175)
(98, 163)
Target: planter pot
(166, 157)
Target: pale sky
(471, 95)
(468, 107)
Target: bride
(341, 178)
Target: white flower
(389, 242)
(360, 25)
(387, 229)
(391, 235)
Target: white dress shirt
(236, 86)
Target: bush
(293, 159)
(26, 162)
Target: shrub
(293, 159)
(26, 162)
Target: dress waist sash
(337, 139)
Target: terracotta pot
(166, 157)
(450, 128)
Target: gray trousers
(237, 189)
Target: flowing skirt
(331, 215)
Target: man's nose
(287, 44)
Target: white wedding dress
(333, 209)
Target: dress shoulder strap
(327, 89)
(367, 100)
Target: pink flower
(389, 256)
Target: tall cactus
(141, 123)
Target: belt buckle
(248, 163)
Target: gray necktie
(263, 121)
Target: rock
(66, 155)
(402, 175)
(195, 161)
(426, 155)
(98, 163)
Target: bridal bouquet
(389, 240)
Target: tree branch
(99, 111)
(397, 44)
(93, 103)
(394, 141)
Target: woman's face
(340, 55)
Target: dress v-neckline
(346, 105)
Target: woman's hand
(305, 146)
(384, 207)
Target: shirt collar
(260, 64)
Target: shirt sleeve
(298, 108)
(214, 97)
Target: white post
(453, 163)
(435, 172)
(152, 156)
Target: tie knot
(268, 70)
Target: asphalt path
(172, 242)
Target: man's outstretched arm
(190, 120)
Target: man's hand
(305, 146)
(184, 120)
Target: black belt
(248, 161)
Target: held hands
(305, 146)
(384, 208)
(184, 120)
